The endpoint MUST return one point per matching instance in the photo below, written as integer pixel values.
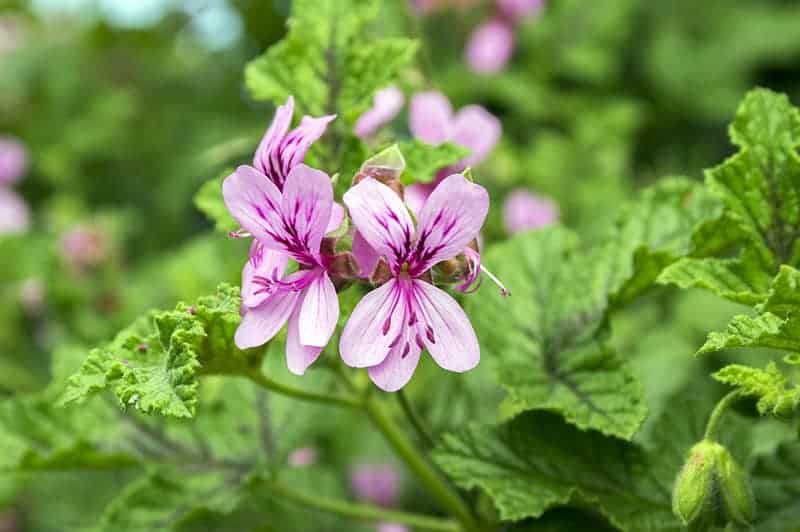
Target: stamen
(239, 233)
(505, 292)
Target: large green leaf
(776, 482)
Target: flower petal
(255, 202)
(396, 370)
(477, 129)
(263, 265)
(451, 340)
(319, 311)
(292, 149)
(337, 217)
(14, 213)
(450, 219)
(306, 206)
(372, 327)
(366, 256)
(385, 106)
(382, 219)
(277, 130)
(13, 160)
(430, 117)
(260, 324)
(490, 47)
(298, 356)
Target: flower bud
(386, 167)
(712, 490)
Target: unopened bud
(343, 266)
(712, 490)
(386, 167)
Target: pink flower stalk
(385, 106)
(292, 222)
(13, 160)
(490, 47)
(278, 151)
(14, 214)
(391, 325)
(376, 483)
(519, 9)
(523, 211)
(303, 457)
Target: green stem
(275, 386)
(716, 414)
(361, 511)
(429, 476)
(415, 420)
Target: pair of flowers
(289, 208)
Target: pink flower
(13, 160)
(278, 151)
(523, 211)
(490, 46)
(389, 327)
(302, 457)
(519, 9)
(292, 222)
(385, 106)
(14, 214)
(83, 247)
(376, 483)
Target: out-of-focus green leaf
(209, 200)
(423, 160)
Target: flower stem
(415, 420)
(361, 511)
(275, 386)
(716, 414)
(429, 476)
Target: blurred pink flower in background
(385, 106)
(83, 247)
(376, 483)
(302, 457)
(424, 7)
(518, 9)
(392, 527)
(490, 46)
(12, 33)
(523, 211)
(14, 213)
(32, 295)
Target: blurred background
(117, 111)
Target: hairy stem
(415, 420)
(361, 511)
(275, 386)
(712, 427)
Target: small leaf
(424, 160)
(768, 385)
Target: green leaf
(768, 385)
(154, 364)
(209, 201)
(551, 352)
(328, 61)
(423, 160)
(776, 481)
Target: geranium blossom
(291, 223)
(389, 327)
(385, 106)
(523, 211)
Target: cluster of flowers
(289, 210)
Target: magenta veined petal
(477, 129)
(264, 265)
(319, 311)
(298, 356)
(254, 201)
(260, 324)
(366, 256)
(454, 346)
(277, 130)
(306, 206)
(372, 327)
(450, 219)
(382, 219)
(430, 117)
(398, 367)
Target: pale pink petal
(477, 129)
(306, 206)
(337, 217)
(398, 367)
(255, 202)
(366, 256)
(416, 195)
(372, 327)
(448, 335)
(490, 47)
(519, 9)
(385, 106)
(262, 266)
(14, 214)
(450, 220)
(430, 117)
(13, 160)
(376, 483)
(260, 324)
(523, 211)
(392, 527)
(381, 217)
(319, 311)
(298, 356)
(277, 130)
(302, 457)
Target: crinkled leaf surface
(424, 160)
(768, 385)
